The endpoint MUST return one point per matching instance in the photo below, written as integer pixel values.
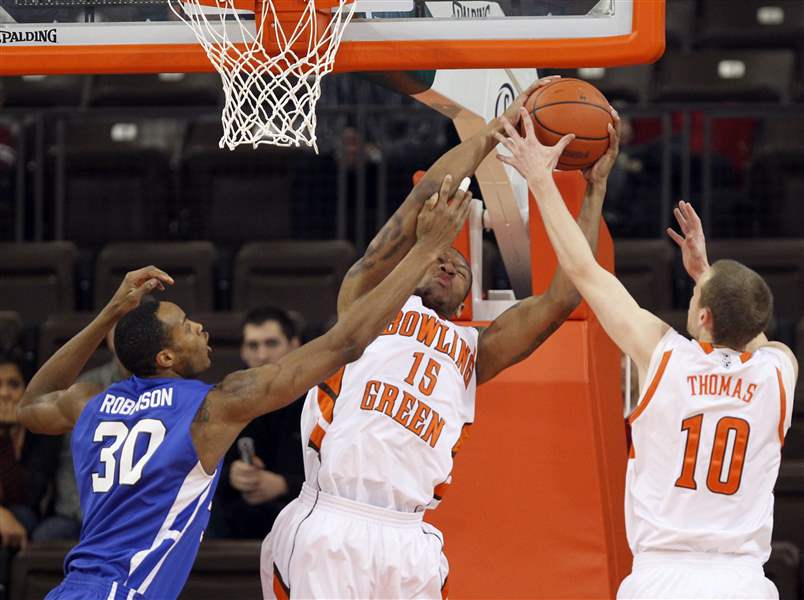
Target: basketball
(572, 106)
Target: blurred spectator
(24, 469)
(65, 522)
(250, 496)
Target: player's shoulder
(780, 352)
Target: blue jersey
(144, 494)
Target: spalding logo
(41, 36)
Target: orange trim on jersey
(783, 406)
(706, 347)
(316, 437)
(652, 388)
(440, 490)
(445, 589)
(631, 451)
(281, 591)
(461, 438)
(746, 356)
(328, 392)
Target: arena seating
(57, 331)
(116, 184)
(301, 276)
(162, 89)
(10, 329)
(190, 264)
(725, 75)
(782, 569)
(32, 91)
(751, 25)
(37, 278)
(679, 20)
(223, 569)
(645, 267)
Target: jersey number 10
(129, 472)
(723, 431)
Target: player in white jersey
(708, 431)
(380, 435)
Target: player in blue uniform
(147, 450)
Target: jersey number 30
(728, 428)
(129, 472)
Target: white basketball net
(268, 98)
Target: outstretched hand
(693, 242)
(134, 286)
(598, 173)
(528, 155)
(440, 219)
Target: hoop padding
(271, 67)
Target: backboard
(128, 36)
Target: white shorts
(322, 546)
(696, 575)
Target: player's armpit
(56, 412)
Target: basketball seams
(577, 137)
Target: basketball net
(271, 67)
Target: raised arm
(247, 394)
(398, 235)
(52, 401)
(516, 334)
(634, 330)
(692, 243)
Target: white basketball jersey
(384, 430)
(707, 438)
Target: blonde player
(381, 434)
(710, 425)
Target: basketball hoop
(271, 56)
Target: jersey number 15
(129, 472)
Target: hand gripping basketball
(528, 155)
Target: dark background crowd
(100, 174)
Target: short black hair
(14, 356)
(139, 337)
(260, 315)
(741, 303)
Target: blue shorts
(79, 586)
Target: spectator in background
(24, 460)
(65, 522)
(250, 496)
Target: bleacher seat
(645, 268)
(225, 333)
(725, 75)
(57, 331)
(782, 569)
(162, 89)
(117, 180)
(630, 85)
(252, 194)
(777, 23)
(10, 329)
(224, 569)
(36, 279)
(781, 263)
(191, 264)
(301, 276)
(29, 91)
(680, 19)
